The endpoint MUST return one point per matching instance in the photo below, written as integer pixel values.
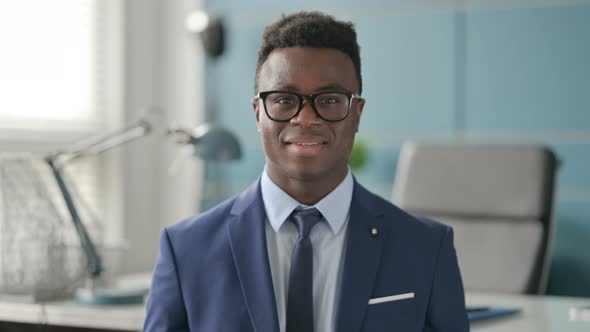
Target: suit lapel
(362, 257)
(247, 238)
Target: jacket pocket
(398, 315)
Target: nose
(307, 117)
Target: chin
(310, 173)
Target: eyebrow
(328, 87)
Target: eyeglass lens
(283, 106)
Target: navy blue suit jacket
(213, 271)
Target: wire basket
(40, 253)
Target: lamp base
(110, 296)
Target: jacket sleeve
(165, 308)
(446, 308)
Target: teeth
(308, 144)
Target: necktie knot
(305, 220)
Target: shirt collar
(279, 205)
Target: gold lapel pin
(374, 232)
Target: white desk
(68, 313)
(539, 314)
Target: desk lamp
(210, 144)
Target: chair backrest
(498, 199)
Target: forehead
(306, 69)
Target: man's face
(307, 148)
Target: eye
(284, 100)
(330, 99)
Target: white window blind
(56, 82)
(51, 63)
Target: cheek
(347, 147)
(346, 137)
(269, 135)
(268, 140)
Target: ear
(359, 111)
(256, 109)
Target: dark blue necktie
(300, 294)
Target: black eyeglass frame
(263, 94)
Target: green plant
(359, 155)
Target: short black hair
(310, 29)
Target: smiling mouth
(306, 147)
(306, 140)
(308, 144)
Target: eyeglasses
(283, 106)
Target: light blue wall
(528, 72)
(432, 72)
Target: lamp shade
(210, 143)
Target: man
(306, 247)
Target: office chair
(499, 200)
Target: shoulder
(214, 217)
(211, 224)
(402, 221)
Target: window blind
(51, 65)
(54, 83)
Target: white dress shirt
(328, 240)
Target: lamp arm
(98, 145)
(94, 260)
(92, 146)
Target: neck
(308, 190)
